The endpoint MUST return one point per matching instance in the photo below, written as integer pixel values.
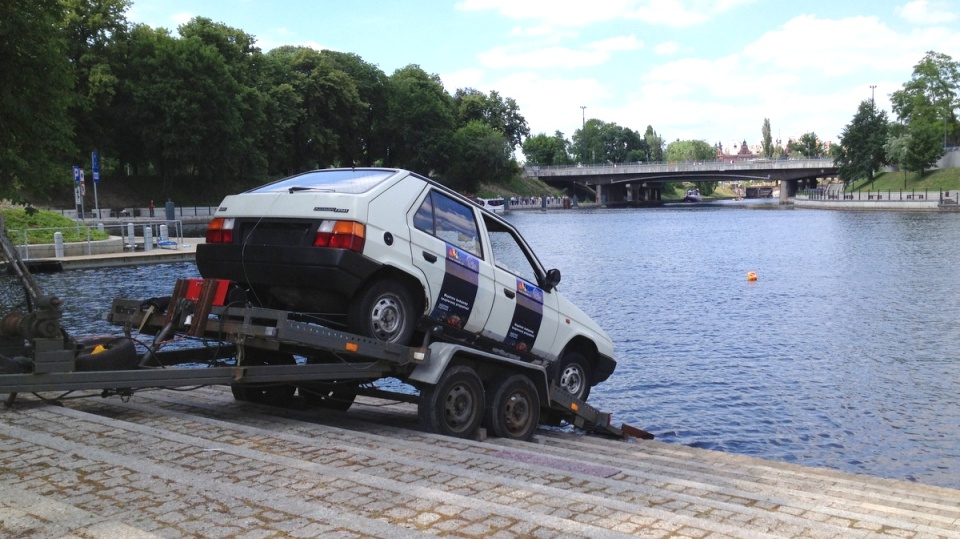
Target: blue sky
(693, 69)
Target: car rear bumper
(315, 268)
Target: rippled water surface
(845, 353)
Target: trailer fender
(443, 354)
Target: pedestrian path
(200, 464)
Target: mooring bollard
(164, 233)
(58, 244)
(147, 238)
(131, 238)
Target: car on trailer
(392, 254)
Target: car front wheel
(575, 375)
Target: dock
(184, 250)
(177, 464)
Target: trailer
(200, 336)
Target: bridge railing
(679, 166)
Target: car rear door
(446, 246)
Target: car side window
(449, 220)
(509, 256)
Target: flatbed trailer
(196, 337)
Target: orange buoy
(751, 276)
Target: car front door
(525, 315)
(446, 246)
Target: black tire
(331, 396)
(513, 408)
(118, 354)
(384, 310)
(270, 394)
(455, 405)
(575, 375)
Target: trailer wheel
(513, 408)
(114, 354)
(384, 311)
(575, 375)
(455, 405)
(275, 394)
(338, 397)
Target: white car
(390, 254)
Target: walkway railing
(905, 196)
(142, 235)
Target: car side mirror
(552, 279)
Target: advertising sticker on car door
(459, 288)
(527, 317)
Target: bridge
(641, 184)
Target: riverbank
(205, 465)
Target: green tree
(937, 78)
(767, 139)
(896, 149)
(924, 146)
(655, 145)
(861, 149)
(92, 28)
(542, 149)
(619, 144)
(808, 145)
(421, 121)
(368, 144)
(481, 154)
(690, 150)
(35, 93)
(499, 113)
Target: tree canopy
(862, 141)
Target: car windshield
(332, 181)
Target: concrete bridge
(642, 184)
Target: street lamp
(872, 102)
(583, 134)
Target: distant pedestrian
(152, 208)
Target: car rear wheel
(384, 311)
(455, 405)
(274, 394)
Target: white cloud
(464, 78)
(545, 58)
(667, 48)
(673, 13)
(924, 12)
(182, 17)
(617, 43)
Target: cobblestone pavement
(199, 464)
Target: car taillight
(341, 235)
(220, 230)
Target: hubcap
(517, 413)
(459, 406)
(387, 318)
(572, 380)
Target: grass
(16, 220)
(947, 179)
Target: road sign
(96, 166)
(76, 173)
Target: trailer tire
(513, 408)
(118, 354)
(575, 375)
(274, 394)
(384, 310)
(333, 396)
(455, 405)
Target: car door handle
(431, 258)
(509, 293)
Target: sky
(711, 70)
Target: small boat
(693, 195)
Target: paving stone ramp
(199, 464)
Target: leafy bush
(42, 224)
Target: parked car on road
(391, 254)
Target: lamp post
(583, 134)
(872, 102)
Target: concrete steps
(173, 464)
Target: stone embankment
(199, 464)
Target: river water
(845, 353)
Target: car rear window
(332, 181)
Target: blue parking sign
(76, 173)
(96, 166)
